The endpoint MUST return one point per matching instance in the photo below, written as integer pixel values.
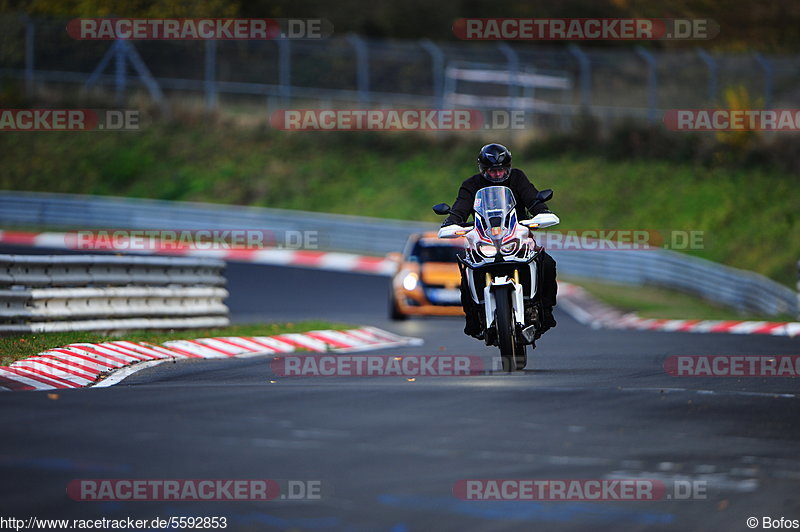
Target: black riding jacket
(523, 190)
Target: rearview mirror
(441, 209)
(545, 195)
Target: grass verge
(660, 303)
(19, 347)
(744, 214)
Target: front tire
(504, 323)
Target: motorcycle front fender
(517, 299)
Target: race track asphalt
(593, 404)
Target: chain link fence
(351, 71)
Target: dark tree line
(767, 25)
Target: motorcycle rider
(494, 163)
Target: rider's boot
(473, 326)
(548, 321)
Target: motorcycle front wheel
(521, 356)
(504, 323)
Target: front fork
(470, 297)
(517, 297)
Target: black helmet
(494, 156)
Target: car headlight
(487, 250)
(410, 281)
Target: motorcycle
(502, 271)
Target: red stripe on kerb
(380, 335)
(128, 351)
(13, 385)
(45, 374)
(160, 349)
(295, 343)
(768, 328)
(370, 263)
(143, 350)
(328, 340)
(308, 258)
(89, 371)
(241, 254)
(99, 353)
(234, 344)
(95, 351)
(87, 358)
(206, 346)
(371, 340)
(184, 352)
(19, 237)
(45, 361)
(50, 381)
(270, 347)
(724, 327)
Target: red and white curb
(587, 310)
(300, 258)
(82, 364)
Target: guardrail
(740, 289)
(48, 293)
(356, 234)
(743, 290)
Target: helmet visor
(496, 174)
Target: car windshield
(434, 253)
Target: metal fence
(743, 290)
(349, 70)
(40, 293)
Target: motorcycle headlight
(510, 248)
(487, 250)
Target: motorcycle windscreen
(493, 208)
